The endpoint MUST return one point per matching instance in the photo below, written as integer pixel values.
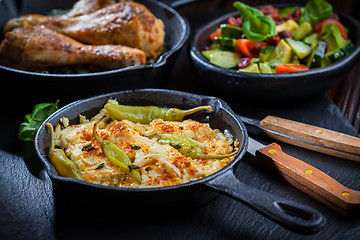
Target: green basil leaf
(257, 26)
(315, 11)
(32, 121)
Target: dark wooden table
(347, 97)
(30, 209)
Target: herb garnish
(32, 121)
(101, 165)
(132, 167)
(88, 148)
(135, 147)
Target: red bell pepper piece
(215, 34)
(250, 48)
(290, 67)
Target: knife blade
(308, 136)
(306, 178)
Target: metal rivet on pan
(319, 131)
(345, 194)
(309, 172)
(274, 120)
(272, 151)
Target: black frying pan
(32, 84)
(290, 214)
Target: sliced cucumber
(281, 54)
(265, 53)
(253, 68)
(300, 48)
(274, 62)
(295, 59)
(302, 31)
(340, 53)
(265, 68)
(225, 59)
(317, 56)
(230, 31)
(207, 53)
(312, 40)
(289, 25)
(224, 43)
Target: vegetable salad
(272, 40)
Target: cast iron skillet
(274, 87)
(177, 32)
(290, 214)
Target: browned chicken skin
(36, 48)
(83, 7)
(125, 23)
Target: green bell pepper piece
(331, 34)
(315, 11)
(256, 25)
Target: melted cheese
(159, 165)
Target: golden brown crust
(124, 23)
(36, 48)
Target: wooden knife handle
(311, 180)
(313, 138)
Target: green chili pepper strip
(188, 147)
(257, 26)
(117, 156)
(63, 165)
(145, 114)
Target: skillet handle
(294, 216)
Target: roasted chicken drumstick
(36, 48)
(125, 23)
(83, 7)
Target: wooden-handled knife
(308, 136)
(307, 178)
